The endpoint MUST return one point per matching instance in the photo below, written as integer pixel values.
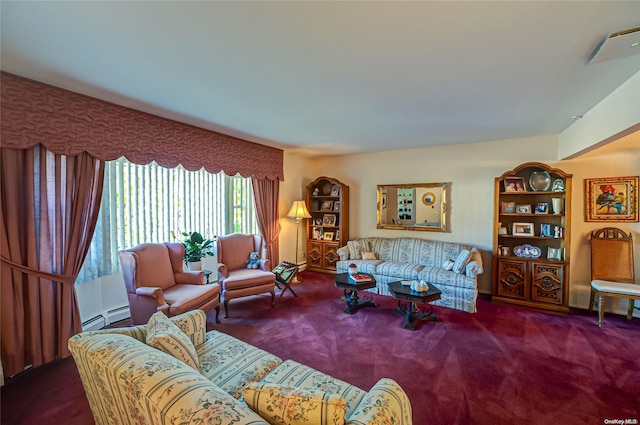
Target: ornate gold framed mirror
(419, 206)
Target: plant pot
(194, 266)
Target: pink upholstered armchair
(235, 279)
(155, 281)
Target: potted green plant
(196, 247)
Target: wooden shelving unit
(531, 242)
(328, 227)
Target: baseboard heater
(106, 318)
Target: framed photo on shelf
(317, 233)
(329, 220)
(522, 229)
(507, 207)
(523, 209)
(328, 236)
(504, 251)
(327, 205)
(613, 199)
(554, 254)
(337, 235)
(514, 184)
(545, 230)
(336, 205)
(542, 208)
(335, 190)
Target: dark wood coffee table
(411, 313)
(351, 292)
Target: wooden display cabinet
(328, 227)
(532, 235)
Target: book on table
(360, 278)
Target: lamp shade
(298, 211)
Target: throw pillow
(165, 336)
(285, 405)
(475, 256)
(385, 403)
(461, 261)
(356, 248)
(369, 255)
(448, 265)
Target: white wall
(298, 173)
(617, 113)
(102, 301)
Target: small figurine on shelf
(556, 232)
(558, 185)
(316, 192)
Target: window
(146, 203)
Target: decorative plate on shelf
(527, 251)
(326, 189)
(540, 181)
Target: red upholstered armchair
(155, 281)
(235, 279)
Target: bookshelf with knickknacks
(328, 227)
(532, 225)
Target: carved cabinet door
(547, 283)
(513, 279)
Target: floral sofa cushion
(405, 271)
(127, 382)
(363, 266)
(167, 337)
(192, 323)
(294, 374)
(444, 277)
(385, 403)
(231, 364)
(284, 405)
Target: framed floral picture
(611, 199)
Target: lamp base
(296, 278)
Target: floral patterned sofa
(171, 371)
(452, 267)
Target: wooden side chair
(612, 273)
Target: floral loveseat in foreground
(452, 267)
(214, 378)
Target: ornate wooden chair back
(612, 269)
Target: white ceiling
(330, 77)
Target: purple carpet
(502, 365)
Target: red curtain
(265, 197)
(48, 214)
(70, 123)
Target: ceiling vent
(617, 45)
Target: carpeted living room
(499, 366)
(341, 213)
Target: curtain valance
(69, 123)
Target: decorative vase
(194, 266)
(353, 270)
(556, 205)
